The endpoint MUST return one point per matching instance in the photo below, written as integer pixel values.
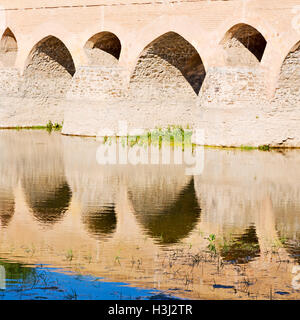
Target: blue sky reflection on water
(46, 283)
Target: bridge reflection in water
(150, 225)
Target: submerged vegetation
(69, 255)
(241, 249)
(235, 249)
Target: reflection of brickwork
(234, 184)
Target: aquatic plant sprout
(173, 145)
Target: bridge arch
(103, 48)
(243, 46)
(48, 54)
(170, 61)
(48, 74)
(188, 28)
(38, 36)
(288, 89)
(8, 48)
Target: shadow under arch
(293, 49)
(51, 56)
(170, 222)
(167, 57)
(48, 75)
(8, 48)
(48, 207)
(103, 49)
(100, 222)
(288, 89)
(244, 45)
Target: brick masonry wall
(162, 91)
(287, 92)
(232, 107)
(160, 86)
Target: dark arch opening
(170, 222)
(244, 45)
(100, 222)
(170, 59)
(103, 48)
(8, 48)
(50, 56)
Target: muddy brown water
(228, 231)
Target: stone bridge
(228, 67)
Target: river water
(203, 223)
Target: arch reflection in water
(242, 248)
(7, 207)
(41, 169)
(287, 224)
(100, 222)
(49, 206)
(293, 247)
(170, 221)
